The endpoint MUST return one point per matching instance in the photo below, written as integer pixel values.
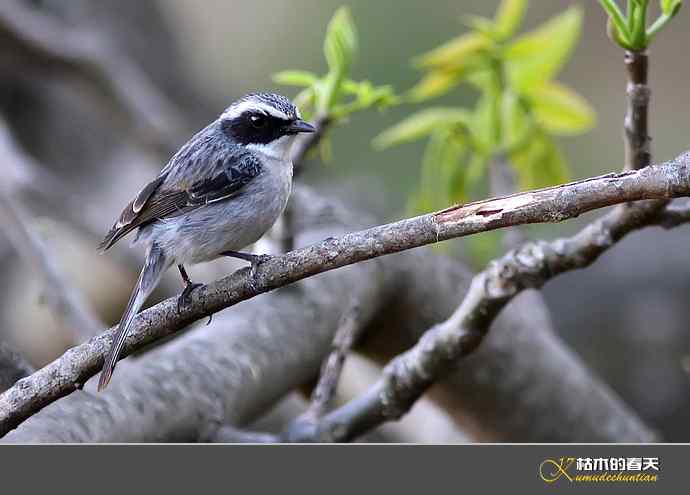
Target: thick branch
(409, 375)
(230, 372)
(668, 180)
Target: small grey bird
(218, 194)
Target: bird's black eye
(258, 120)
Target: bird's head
(264, 122)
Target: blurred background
(627, 316)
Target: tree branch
(409, 375)
(636, 126)
(553, 204)
(299, 153)
(349, 329)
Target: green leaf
(617, 25)
(340, 44)
(540, 164)
(615, 35)
(421, 124)
(539, 55)
(509, 17)
(671, 7)
(482, 25)
(455, 52)
(638, 24)
(433, 85)
(560, 110)
(295, 78)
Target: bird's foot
(183, 300)
(256, 261)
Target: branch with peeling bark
(668, 180)
(230, 372)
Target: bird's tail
(150, 275)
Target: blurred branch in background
(668, 180)
(409, 375)
(216, 370)
(41, 42)
(222, 377)
(65, 301)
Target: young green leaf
(421, 124)
(539, 55)
(560, 110)
(481, 25)
(617, 25)
(671, 7)
(434, 84)
(454, 52)
(340, 44)
(299, 78)
(509, 17)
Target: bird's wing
(173, 193)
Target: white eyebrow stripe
(237, 110)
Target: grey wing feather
(220, 176)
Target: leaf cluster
(630, 29)
(336, 95)
(519, 111)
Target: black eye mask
(255, 128)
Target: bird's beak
(300, 125)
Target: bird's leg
(254, 259)
(189, 287)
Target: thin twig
(299, 153)
(307, 142)
(636, 131)
(410, 374)
(349, 330)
